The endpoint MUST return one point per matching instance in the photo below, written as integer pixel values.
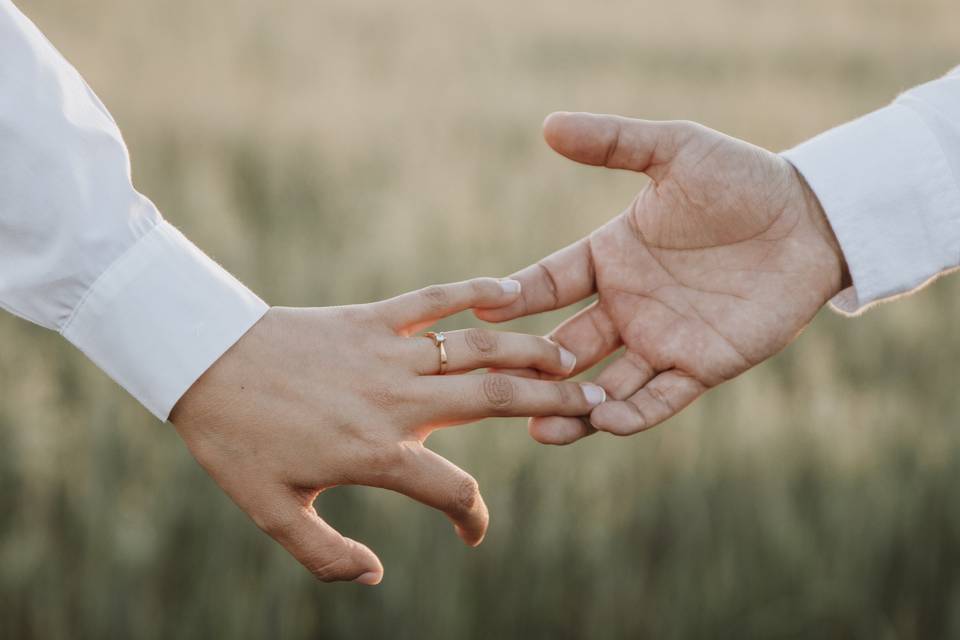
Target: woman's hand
(314, 398)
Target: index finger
(410, 312)
(554, 282)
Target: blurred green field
(342, 151)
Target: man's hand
(718, 263)
(310, 399)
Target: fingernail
(510, 287)
(595, 395)
(567, 359)
(370, 578)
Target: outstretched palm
(719, 262)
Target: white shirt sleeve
(889, 183)
(83, 253)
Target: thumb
(329, 556)
(614, 141)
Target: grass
(339, 152)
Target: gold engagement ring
(439, 339)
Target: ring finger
(470, 349)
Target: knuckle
(550, 283)
(467, 497)
(482, 342)
(332, 567)
(569, 394)
(355, 314)
(681, 126)
(683, 130)
(277, 525)
(661, 397)
(383, 458)
(384, 396)
(499, 391)
(481, 288)
(437, 296)
(640, 418)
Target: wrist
(835, 269)
(218, 388)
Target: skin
(310, 399)
(719, 262)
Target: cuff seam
(894, 231)
(123, 257)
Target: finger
(661, 398)
(436, 482)
(480, 348)
(625, 376)
(559, 430)
(459, 398)
(524, 373)
(329, 556)
(558, 280)
(410, 312)
(590, 335)
(615, 142)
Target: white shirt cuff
(159, 316)
(889, 194)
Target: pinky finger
(329, 556)
(663, 397)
